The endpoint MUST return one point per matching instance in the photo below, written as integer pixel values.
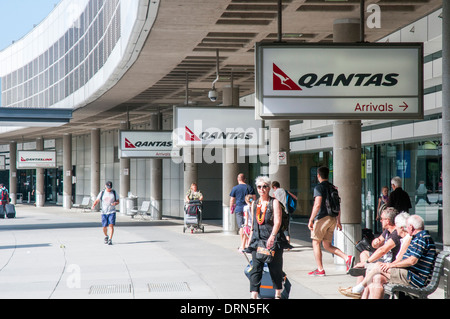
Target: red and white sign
(149, 144)
(216, 126)
(335, 81)
(36, 159)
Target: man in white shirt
(109, 199)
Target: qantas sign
(36, 159)
(216, 126)
(339, 81)
(146, 144)
(282, 82)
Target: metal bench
(85, 204)
(394, 290)
(145, 207)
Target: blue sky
(17, 18)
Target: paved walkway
(55, 253)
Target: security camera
(213, 95)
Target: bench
(85, 204)
(394, 290)
(145, 207)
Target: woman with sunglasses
(267, 217)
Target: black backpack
(284, 215)
(332, 201)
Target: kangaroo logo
(281, 82)
(128, 144)
(190, 136)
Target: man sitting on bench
(415, 269)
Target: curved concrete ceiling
(182, 45)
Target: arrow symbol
(405, 106)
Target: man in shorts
(109, 199)
(322, 225)
(414, 269)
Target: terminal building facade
(80, 52)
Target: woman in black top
(266, 230)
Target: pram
(193, 216)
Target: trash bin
(131, 203)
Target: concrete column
(190, 168)
(446, 124)
(347, 159)
(279, 143)
(230, 167)
(67, 171)
(40, 180)
(156, 175)
(230, 171)
(95, 165)
(124, 176)
(230, 96)
(13, 172)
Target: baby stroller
(193, 216)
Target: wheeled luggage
(193, 216)
(266, 289)
(10, 211)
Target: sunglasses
(262, 186)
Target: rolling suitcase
(10, 211)
(266, 289)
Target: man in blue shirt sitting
(415, 269)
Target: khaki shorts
(323, 229)
(399, 276)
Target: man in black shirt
(399, 199)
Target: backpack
(291, 203)
(284, 215)
(114, 192)
(4, 195)
(333, 201)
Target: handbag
(263, 254)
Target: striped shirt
(423, 248)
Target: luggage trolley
(193, 212)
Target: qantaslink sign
(339, 81)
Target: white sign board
(216, 126)
(36, 159)
(147, 144)
(339, 81)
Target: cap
(109, 184)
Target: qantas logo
(282, 82)
(216, 135)
(128, 144)
(138, 144)
(190, 136)
(37, 159)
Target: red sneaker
(317, 272)
(349, 263)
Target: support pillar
(13, 172)
(67, 171)
(446, 125)
(40, 180)
(230, 167)
(230, 171)
(190, 169)
(346, 168)
(95, 165)
(279, 144)
(124, 176)
(156, 175)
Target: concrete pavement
(55, 253)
